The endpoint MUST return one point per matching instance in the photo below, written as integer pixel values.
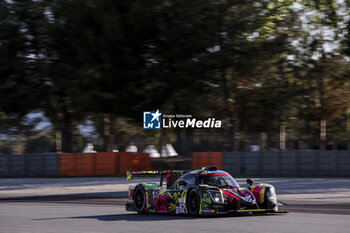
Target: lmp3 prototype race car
(206, 191)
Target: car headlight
(216, 196)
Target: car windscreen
(218, 180)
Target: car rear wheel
(140, 199)
(193, 203)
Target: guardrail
(73, 164)
(33, 165)
(276, 163)
(282, 163)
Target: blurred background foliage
(276, 72)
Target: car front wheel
(193, 203)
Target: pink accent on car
(237, 194)
(132, 193)
(161, 203)
(231, 196)
(256, 192)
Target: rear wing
(130, 174)
(171, 175)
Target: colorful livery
(199, 192)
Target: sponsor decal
(181, 209)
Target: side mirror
(250, 181)
(182, 183)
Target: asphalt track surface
(311, 208)
(72, 218)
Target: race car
(205, 191)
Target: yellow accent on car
(253, 210)
(261, 191)
(129, 175)
(262, 194)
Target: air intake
(209, 168)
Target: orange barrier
(104, 163)
(77, 164)
(107, 163)
(85, 164)
(67, 164)
(207, 159)
(134, 161)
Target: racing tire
(140, 199)
(193, 202)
